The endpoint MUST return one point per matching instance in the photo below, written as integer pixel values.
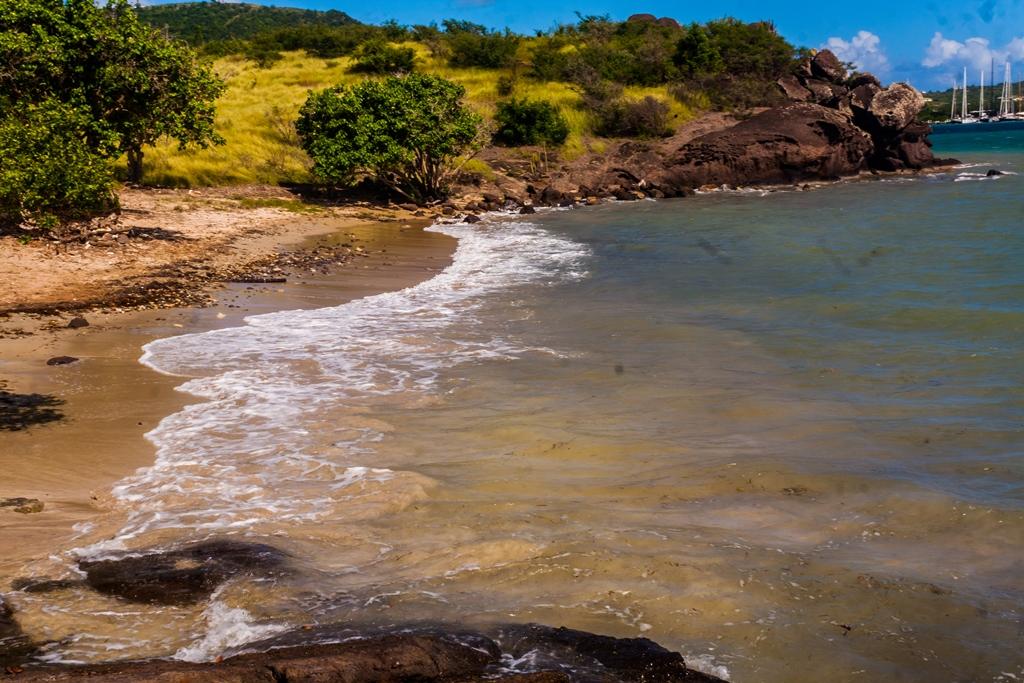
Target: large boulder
(826, 65)
(896, 107)
(785, 145)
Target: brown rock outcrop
(427, 656)
(785, 145)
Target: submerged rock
(62, 360)
(23, 505)
(78, 322)
(596, 657)
(391, 658)
(426, 654)
(183, 576)
(15, 647)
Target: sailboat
(965, 116)
(1006, 100)
(982, 113)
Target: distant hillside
(938, 108)
(201, 22)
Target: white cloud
(863, 50)
(974, 53)
(940, 51)
(1015, 49)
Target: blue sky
(926, 42)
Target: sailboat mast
(963, 107)
(952, 103)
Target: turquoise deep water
(780, 432)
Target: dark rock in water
(549, 196)
(78, 322)
(993, 172)
(22, 505)
(784, 145)
(627, 659)
(62, 360)
(421, 654)
(44, 585)
(15, 647)
(183, 576)
(472, 218)
(528, 209)
(381, 659)
(826, 65)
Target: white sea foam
(245, 455)
(226, 627)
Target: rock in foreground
(183, 576)
(424, 657)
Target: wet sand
(108, 400)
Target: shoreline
(116, 334)
(88, 429)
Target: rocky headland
(832, 125)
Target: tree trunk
(135, 165)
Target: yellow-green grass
(255, 116)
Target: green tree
(524, 122)
(696, 55)
(407, 132)
(136, 84)
(48, 170)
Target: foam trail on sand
(246, 454)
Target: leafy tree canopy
(134, 84)
(48, 172)
(404, 131)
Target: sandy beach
(84, 424)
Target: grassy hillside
(201, 22)
(255, 116)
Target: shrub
(646, 118)
(472, 45)
(522, 122)
(48, 170)
(406, 132)
(505, 85)
(377, 57)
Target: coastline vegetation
(230, 117)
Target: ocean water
(781, 432)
